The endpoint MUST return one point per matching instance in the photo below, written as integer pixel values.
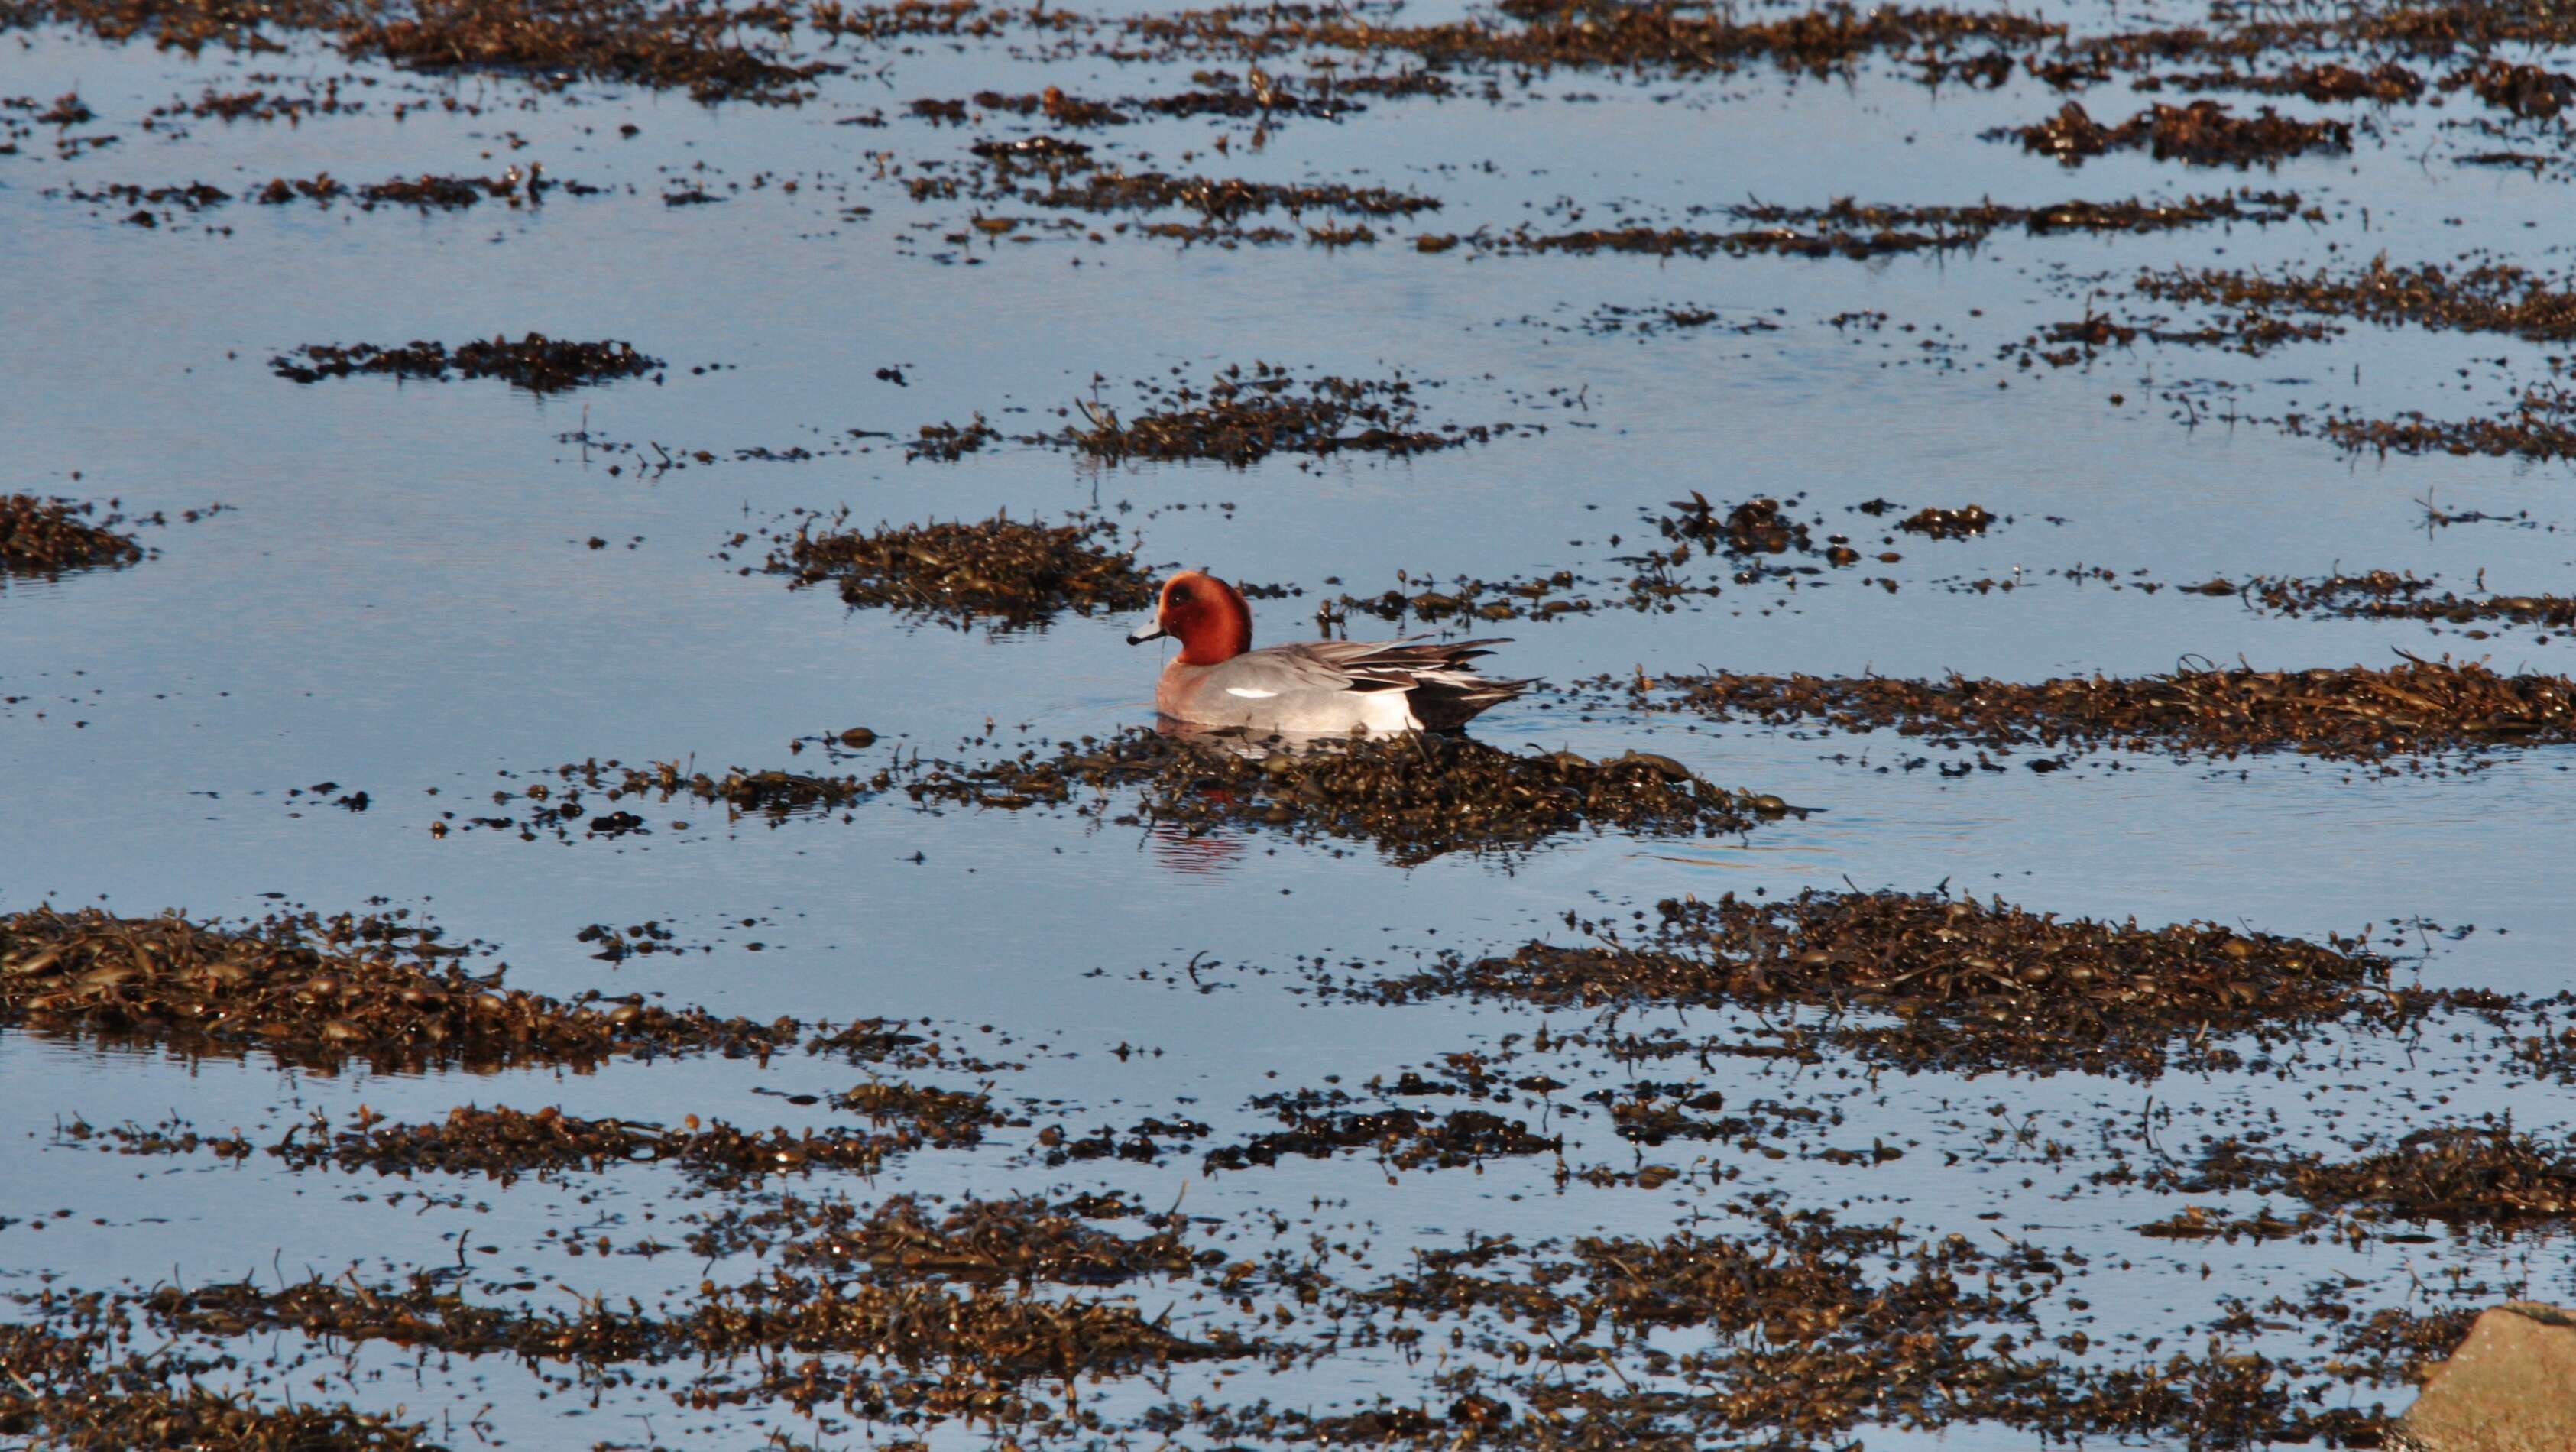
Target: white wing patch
(1387, 711)
(1248, 694)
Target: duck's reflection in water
(1203, 852)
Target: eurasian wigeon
(1319, 687)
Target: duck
(1313, 688)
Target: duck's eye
(1178, 595)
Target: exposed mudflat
(633, 899)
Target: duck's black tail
(1443, 691)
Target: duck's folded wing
(1299, 671)
(1383, 665)
(1336, 685)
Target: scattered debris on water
(2203, 133)
(1319, 1125)
(697, 48)
(1936, 523)
(453, 193)
(2355, 713)
(319, 991)
(1416, 796)
(1550, 597)
(2527, 91)
(1022, 1240)
(2395, 595)
(86, 1386)
(1803, 1330)
(2477, 297)
(1246, 414)
(1693, 242)
(48, 536)
(1225, 199)
(2129, 215)
(2491, 1175)
(536, 362)
(947, 442)
(2387, 83)
(503, 1144)
(1752, 534)
(502, 1141)
(2541, 425)
(1968, 985)
(1012, 573)
(1662, 37)
(914, 1349)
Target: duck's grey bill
(1150, 632)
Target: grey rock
(2510, 1386)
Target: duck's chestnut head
(1208, 616)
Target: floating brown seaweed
(80, 1387)
(2204, 133)
(320, 991)
(536, 362)
(1960, 523)
(503, 1143)
(1971, 984)
(934, 1352)
(2392, 595)
(1416, 796)
(49, 536)
(2541, 424)
(2357, 713)
(1013, 572)
(2491, 1175)
(1244, 415)
(1539, 34)
(2481, 297)
(680, 46)
(1022, 1240)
